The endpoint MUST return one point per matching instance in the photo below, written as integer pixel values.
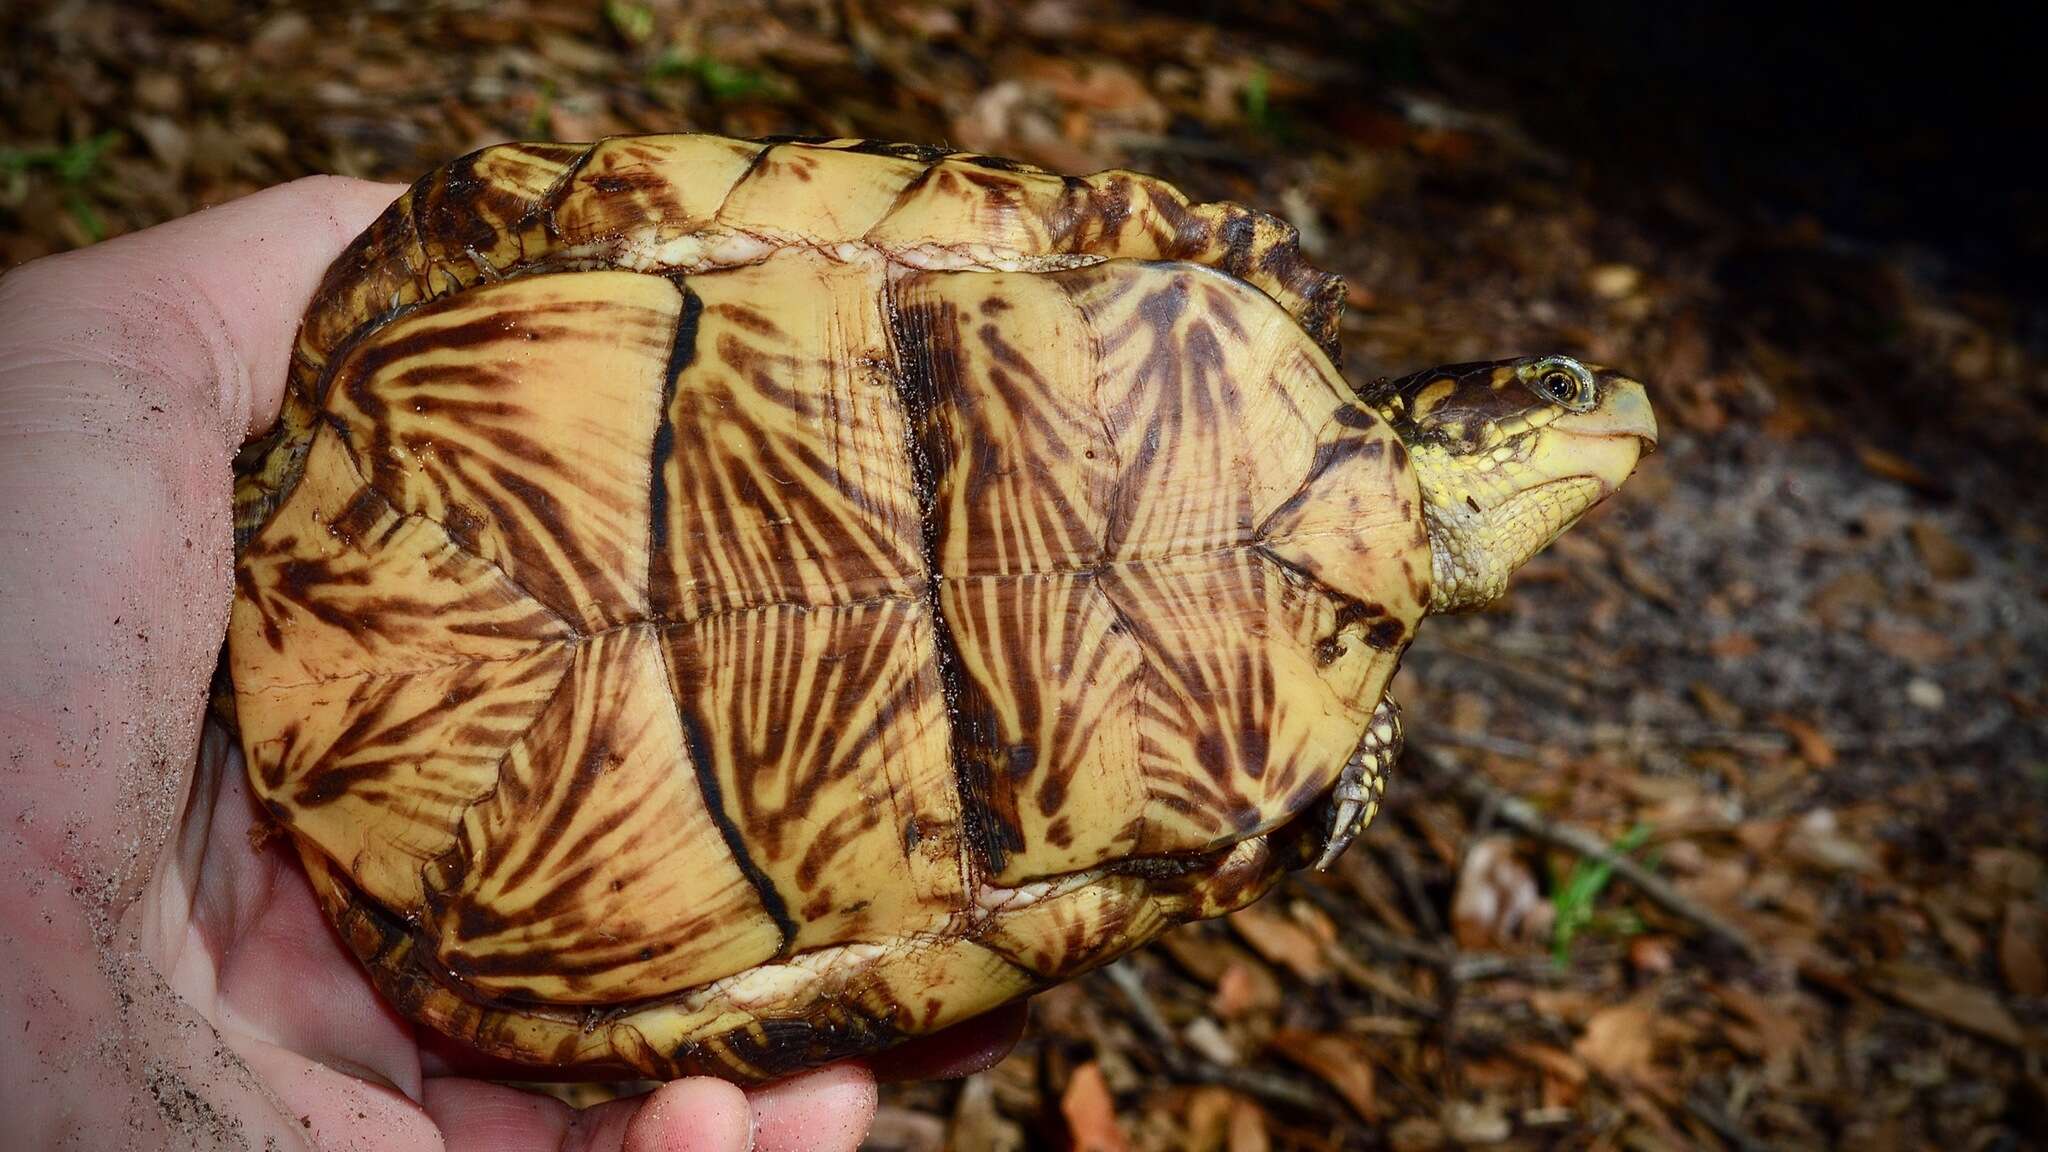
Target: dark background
(1796, 669)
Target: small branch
(1185, 1065)
(1461, 967)
(1723, 1124)
(1522, 816)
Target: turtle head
(1509, 454)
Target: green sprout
(74, 166)
(1575, 898)
(540, 122)
(1258, 111)
(635, 22)
(721, 81)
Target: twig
(1723, 1124)
(1522, 816)
(1462, 967)
(1402, 864)
(1185, 1065)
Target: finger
(962, 1050)
(825, 1110)
(232, 280)
(695, 1115)
(475, 1116)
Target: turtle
(717, 606)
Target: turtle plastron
(1356, 799)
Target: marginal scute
(650, 188)
(808, 195)
(969, 211)
(484, 215)
(1066, 934)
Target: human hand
(167, 979)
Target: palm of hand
(167, 978)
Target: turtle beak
(1607, 441)
(1623, 412)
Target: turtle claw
(1345, 826)
(1358, 789)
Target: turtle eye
(1562, 382)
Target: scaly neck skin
(1481, 527)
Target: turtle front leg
(1365, 774)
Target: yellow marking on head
(1434, 394)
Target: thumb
(129, 372)
(232, 279)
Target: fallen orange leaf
(1091, 1112)
(1618, 1041)
(1282, 942)
(1339, 1061)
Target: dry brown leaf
(1248, 1127)
(1893, 466)
(1342, 1062)
(1206, 1118)
(1716, 706)
(1909, 643)
(1966, 942)
(1812, 746)
(1854, 590)
(1619, 1041)
(1244, 989)
(1090, 1112)
(1652, 955)
(1945, 559)
(1944, 998)
(1770, 1029)
(2023, 948)
(2008, 871)
(1282, 941)
(1564, 1075)
(1416, 1134)
(1552, 1061)
(1734, 646)
(1496, 903)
